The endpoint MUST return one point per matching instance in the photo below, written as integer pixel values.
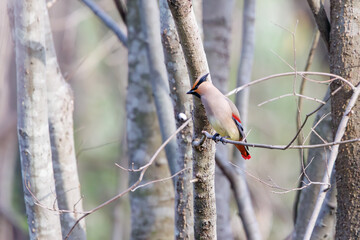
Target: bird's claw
(215, 137)
(222, 140)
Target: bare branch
(321, 20)
(279, 147)
(334, 152)
(335, 77)
(302, 84)
(289, 95)
(133, 186)
(107, 20)
(122, 9)
(160, 180)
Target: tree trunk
(344, 61)
(179, 85)
(152, 209)
(242, 193)
(217, 20)
(315, 171)
(203, 163)
(33, 128)
(60, 111)
(9, 227)
(149, 13)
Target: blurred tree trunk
(152, 206)
(315, 171)
(60, 113)
(217, 20)
(243, 197)
(150, 19)
(9, 227)
(345, 61)
(33, 128)
(179, 85)
(203, 163)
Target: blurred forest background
(95, 64)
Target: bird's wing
(236, 118)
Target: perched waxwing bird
(222, 113)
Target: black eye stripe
(203, 79)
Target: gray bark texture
(9, 227)
(345, 61)
(325, 227)
(217, 20)
(203, 163)
(33, 128)
(179, 84)
(321, 19)
(150, 20)
(152, 211)
(241, 190)
(60, 113)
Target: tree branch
(107, 20)
(321, 20)
(334, 152)
(134, 185)
(279, 147)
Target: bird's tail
(244, 152)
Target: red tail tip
(246, 157)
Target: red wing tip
(236, 117)
(246, 157)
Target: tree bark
(242, 193)
(150, 21)
(152, 209)
(9, 228)
(321, 19)
(33, 128)
(60, 113)
(315, 171)
(179, 84)
(217, 20)
(203, 164)
(344, 61)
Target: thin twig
(160, 180)
(279, 147)
(273, 185)
(134, 185)
(107, 20)
(334, 152)
(289, 95)
(157, 151)
(236, 90)
(302, 84)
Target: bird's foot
(215, 137)
(222, 140)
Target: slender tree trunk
(243, 198)
(179, 85)
(60, 111)
(203, 164)
(150, 21)
(217, 20)
(345, 61)
(315, 172)
(33, 128)
(152, 206)
(8, 142)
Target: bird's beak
(190, 92)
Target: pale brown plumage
(222, 113)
